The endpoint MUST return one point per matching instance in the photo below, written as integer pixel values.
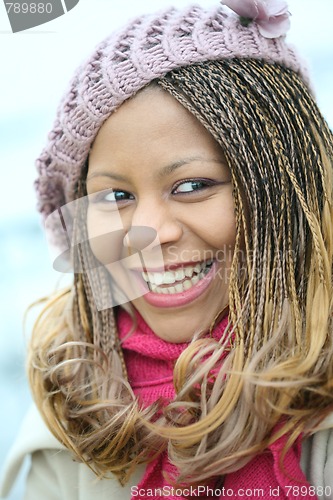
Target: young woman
(188, 182)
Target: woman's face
(157, 167)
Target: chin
(175, 337)
(176, 331)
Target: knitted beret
(146, 48)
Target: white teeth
(155, 278)
(180, 274)
(197, 268)
(193, 273)
(169, 278)
(187, 284)
(195, 279)
(178, 288)
(189, 270)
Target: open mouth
(177, 281)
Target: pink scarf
(150, 362)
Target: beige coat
(54, 475)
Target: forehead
(151, 109)
(152, 127)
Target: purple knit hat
(147, 48)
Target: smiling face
(153, 165)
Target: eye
(111, 197)
(191, 185)
(117, 196)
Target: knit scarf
(150, 361)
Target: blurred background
(35, 67)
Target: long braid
(280, 296)
(260, 110)
(256, 111)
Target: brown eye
(112, 196)
(190, 186)
(118, 196)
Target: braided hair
(280, 153)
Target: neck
(149, 359)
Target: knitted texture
(150, 361)
(145, 49)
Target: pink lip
(182, 298)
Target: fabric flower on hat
(271, 16)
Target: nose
(152, 224)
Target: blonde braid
(280, 299)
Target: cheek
(221, 232)
(105, 237)
(218, 229)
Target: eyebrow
(164, 172)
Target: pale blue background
(35, 68)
